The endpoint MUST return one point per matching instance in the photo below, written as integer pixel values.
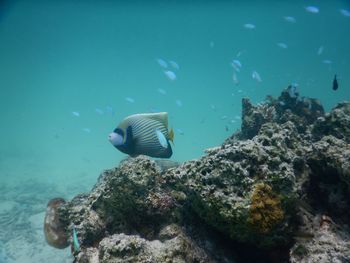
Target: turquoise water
(60, 57)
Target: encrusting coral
(265, 210)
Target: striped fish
(145, 133)
(76, 244)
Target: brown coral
(265, 210)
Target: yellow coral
(265, 210)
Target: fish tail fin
(171, 135)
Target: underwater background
(70, 71)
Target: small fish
(233, 121)
(162, 63)
(99, 111)
(235, 67)
(335, 83)
(320, 50)
(179, 103)
(211, 44)
(290, 19)
(174, 64)
(223, 117)
(170, 74)
(130, 100)
(235, 78)
(226, 128)
(345, 12)
(312, 9)
(162, 91)
(256, 76)
(327, 61)
(282, 45)
(76, 114)
(87, 130)
(153, 110)
(213, 107)
(237, 63)
(240, 53)
(76, 244)
(179, 131)
(109, 110)
(137, 134)
(249, 26)
(292, 91)
(161, 138)
(237, 117)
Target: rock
(262, 190)
(335, 123)
(55, 232)
(320, 239)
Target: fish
(179, 131)
(87, 130)
(237, 63)
(290, 19)
(211, 44)
(129, 99)
(312, 9)
(335, 83)
(327, 61)
(320, 50)
(162, 91)
(162, 63)
(249, 26)
(170, 74)
(109, 110)
(76, 114)
(345, 12)
(282, 45)
(240, 53)
(179, 103)
(235, 78)
(256, 76)
(292, 90)
(174, 64)
(235, 67)
(99, 111)
(76, 244)
(144, 133)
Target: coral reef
(279, 187)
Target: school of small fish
(170, 69)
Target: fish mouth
(112, 136)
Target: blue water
(59, 57)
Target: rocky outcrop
(273, 192)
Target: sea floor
(22, 212)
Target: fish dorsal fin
(162, 117)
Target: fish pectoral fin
(171, 135)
